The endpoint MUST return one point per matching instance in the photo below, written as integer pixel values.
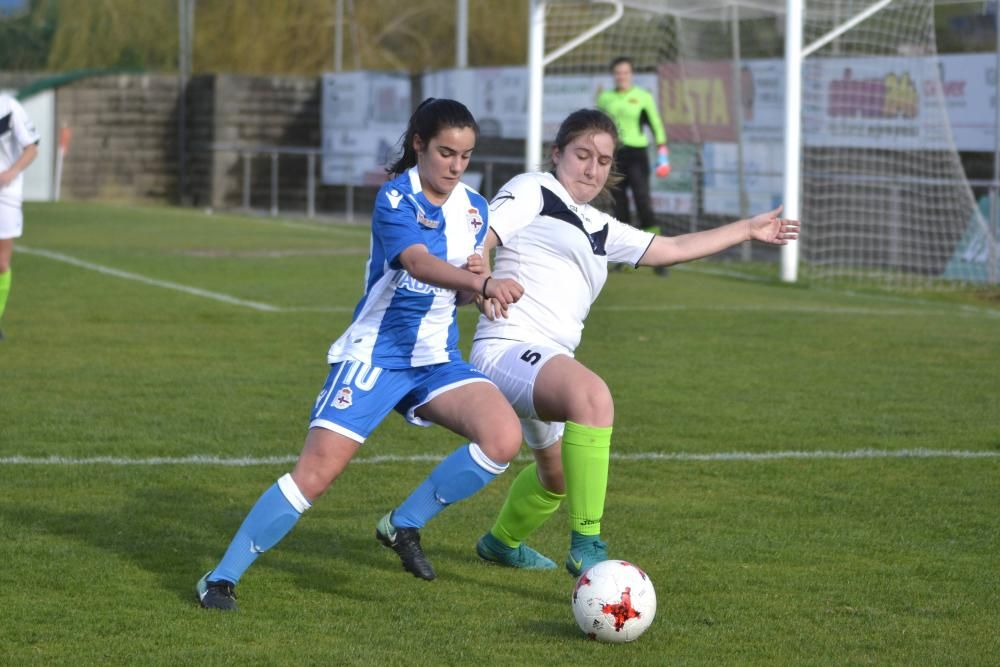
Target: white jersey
(17, 132)
(559, 251)
(401, 322)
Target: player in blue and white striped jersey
(401, 352)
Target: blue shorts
(356, 397)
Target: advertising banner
(364, 114)
(763, 174)
(696, 101)
(932, 102)
(496, 96)
(885, 102)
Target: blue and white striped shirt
(401, 322)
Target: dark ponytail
(432, 116)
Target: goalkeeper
(558, 246)
(633, 108)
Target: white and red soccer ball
(614, 601)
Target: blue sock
(458, 476)
(270, 519)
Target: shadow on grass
(176, 529)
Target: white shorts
(513, 367)
(11, 221)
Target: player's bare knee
(503, 443)
(314, 473)
(507, 448)
(312, 483)
(592, 405)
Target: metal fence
(485, 166)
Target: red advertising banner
(696, 101)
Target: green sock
(527, 507)
(586, 452)
(4, 290)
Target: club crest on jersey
(474, 219)
(426, 222)
(343, 399)
(395, 196)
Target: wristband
(484, 285)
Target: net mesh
(884, 196)
(898, 209)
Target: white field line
(240, 462)
(920, 307)
(127, 275)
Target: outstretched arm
(765, 227)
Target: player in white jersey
(401, 352)
(18, 149)
(552, 241)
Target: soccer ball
(614, 601)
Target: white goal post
(881, 189)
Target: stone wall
(262, 111)
(125, 131)
(126, 138)
(126, 135)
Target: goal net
(884, 196)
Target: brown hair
(579, 123)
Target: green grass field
(810, 476)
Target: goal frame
(795, 53)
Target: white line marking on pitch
(266, 307)
(246, 461)
(126, 275)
